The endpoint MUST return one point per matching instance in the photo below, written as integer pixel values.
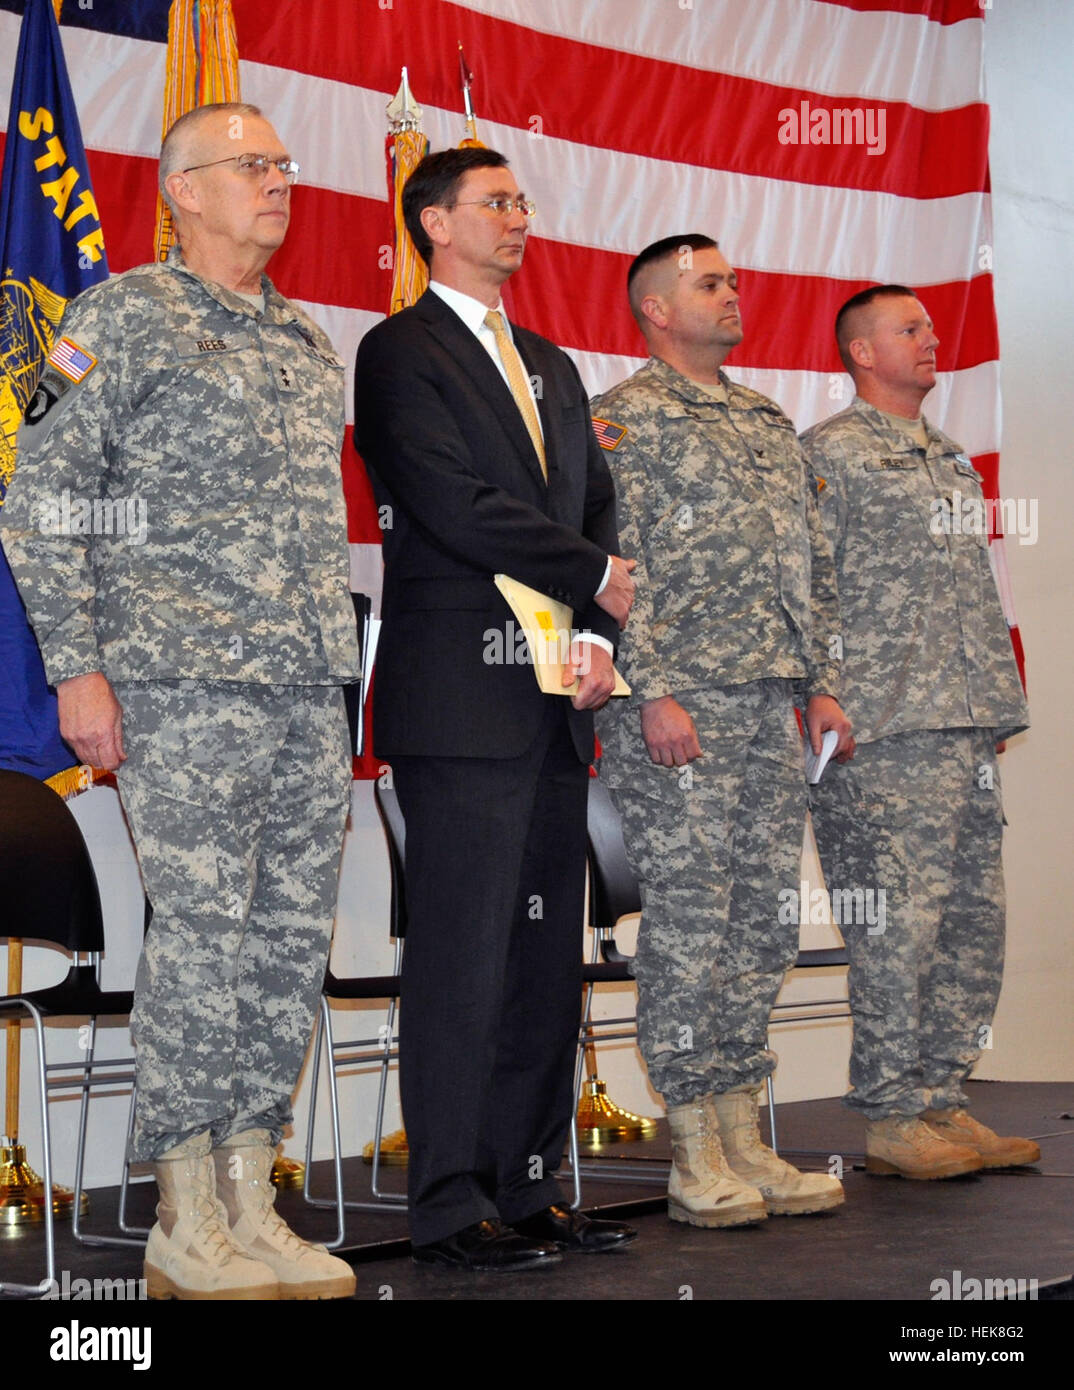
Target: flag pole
(42, 271)
(466, 78)
(405, 148)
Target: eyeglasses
(254, 166)
(503, 207)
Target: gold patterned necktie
(516, 379)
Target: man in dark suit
(479, 442)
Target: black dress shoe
(487, 1247)
(573, 1230)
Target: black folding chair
(50, 895)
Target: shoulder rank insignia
(74, 362)
(609, 436)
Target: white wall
(1028, 71)
(1027, 57)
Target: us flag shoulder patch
(74, 362)
(609, 436)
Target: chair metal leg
(124, 1184)
(576, 1172)
(387, 1200)
(576, 1091)
(134, 1236)
(323, 1033)
(80, 1145)
(771, 1114)
(382, 1096)
(49, 1281)
(311, 1121)
(337, 1141)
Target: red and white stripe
(625, 120)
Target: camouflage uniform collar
(277, 309)
(895, 440)
(683, 386)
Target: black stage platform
(892, 1240)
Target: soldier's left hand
(91, 719)
(596, 675)
(823, 713)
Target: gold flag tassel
(405, 148)
(202, 67)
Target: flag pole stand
(22, 1193)
(394, 1149)
(287, 1173)
(600, 1120)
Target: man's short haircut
(176, 149)
(661, 250)
(435, 183)
(848, 320)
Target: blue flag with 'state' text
(51, 248)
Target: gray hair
(180, 139)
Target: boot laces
(209, 1217)
(747, 1134)
(262, 1198)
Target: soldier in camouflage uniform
(931, 682)
(202, 655)
(735, 619)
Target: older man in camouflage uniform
(930, 679)
(735, 618)
(203, 658)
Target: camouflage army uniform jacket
(926, 645)
(734, 576)
(169, 402)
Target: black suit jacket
(449, 455)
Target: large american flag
(626, 121)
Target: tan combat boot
(959, 1127)
(190, 1253)
(785, 1190)
(702, 1189)
(904, 1146)
(243, 1168)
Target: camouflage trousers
(236, 796)
(712, 845)
(918, 816)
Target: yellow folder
(548, 626)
